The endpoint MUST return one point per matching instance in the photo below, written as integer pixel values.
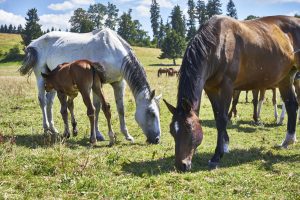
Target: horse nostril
(156, 140)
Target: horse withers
(79, 76)
(227, 55)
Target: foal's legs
(64, 112)
(70, 104)
(97, 104)
(106, 110)
(90, 112)
(220, 99)
(119, 89)
(289, 98)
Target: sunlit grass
(33, 165)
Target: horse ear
(186, 105)
(152, 95)
(171, 108)
(44, 75)
(158, 97)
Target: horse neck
(135, 77)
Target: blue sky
(56, 13)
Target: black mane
(134, 73)
(194, 64)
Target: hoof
(99, 137)
(280, 121)
(111, 144)
(130, 138)
(289, 140)
(93, 141)
(213, 165)
(226, 147)
(53, 130)
(75, 132)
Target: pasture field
(38, 166)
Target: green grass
(37, 166)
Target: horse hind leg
(70, 104)
(274, 101)
(50, 99)
(291, 104)
(235, 100)
(255, 102)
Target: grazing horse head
(147, 117)
(187, 133)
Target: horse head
(147, 117)
(187, 133)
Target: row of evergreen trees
(11, 29)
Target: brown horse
(161, 71)
(83, 76)
(227, 55)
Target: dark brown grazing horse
(227, 55)
(161, 71)
(83, 76)
(257, 103)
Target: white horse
(111, 51)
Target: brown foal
(79, 76)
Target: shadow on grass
(236, 157)
(34, 141)
(239, 125)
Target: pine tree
(192, 19)
(1, 28)
(177, 21)
(172, 46)
(213, 8)
(231, 10)
(96, 13)
(80, 21)
(20, 29)
(161, 33)
(10, 28)
(154, 11)
(5, 28)
(32, 29)
(112, 16)
(126, 26)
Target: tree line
(171, 36)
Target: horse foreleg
(220, 101)
(235, 100)
(255, 102)
(64, 112)
(70, 104)
(42, 102)
(119, 89)
(262, 93)
(274, 101)
(290, 101)
(50, 98)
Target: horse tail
(30, 60)
(100, 71)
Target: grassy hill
(34, 166)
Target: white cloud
(10, 18)
(69, 5)
(143, 11)
(1, 1)
(162, 3)
(58, 21)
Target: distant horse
(111, 51)
(83, 76)
(161, 71)
(227, 55)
